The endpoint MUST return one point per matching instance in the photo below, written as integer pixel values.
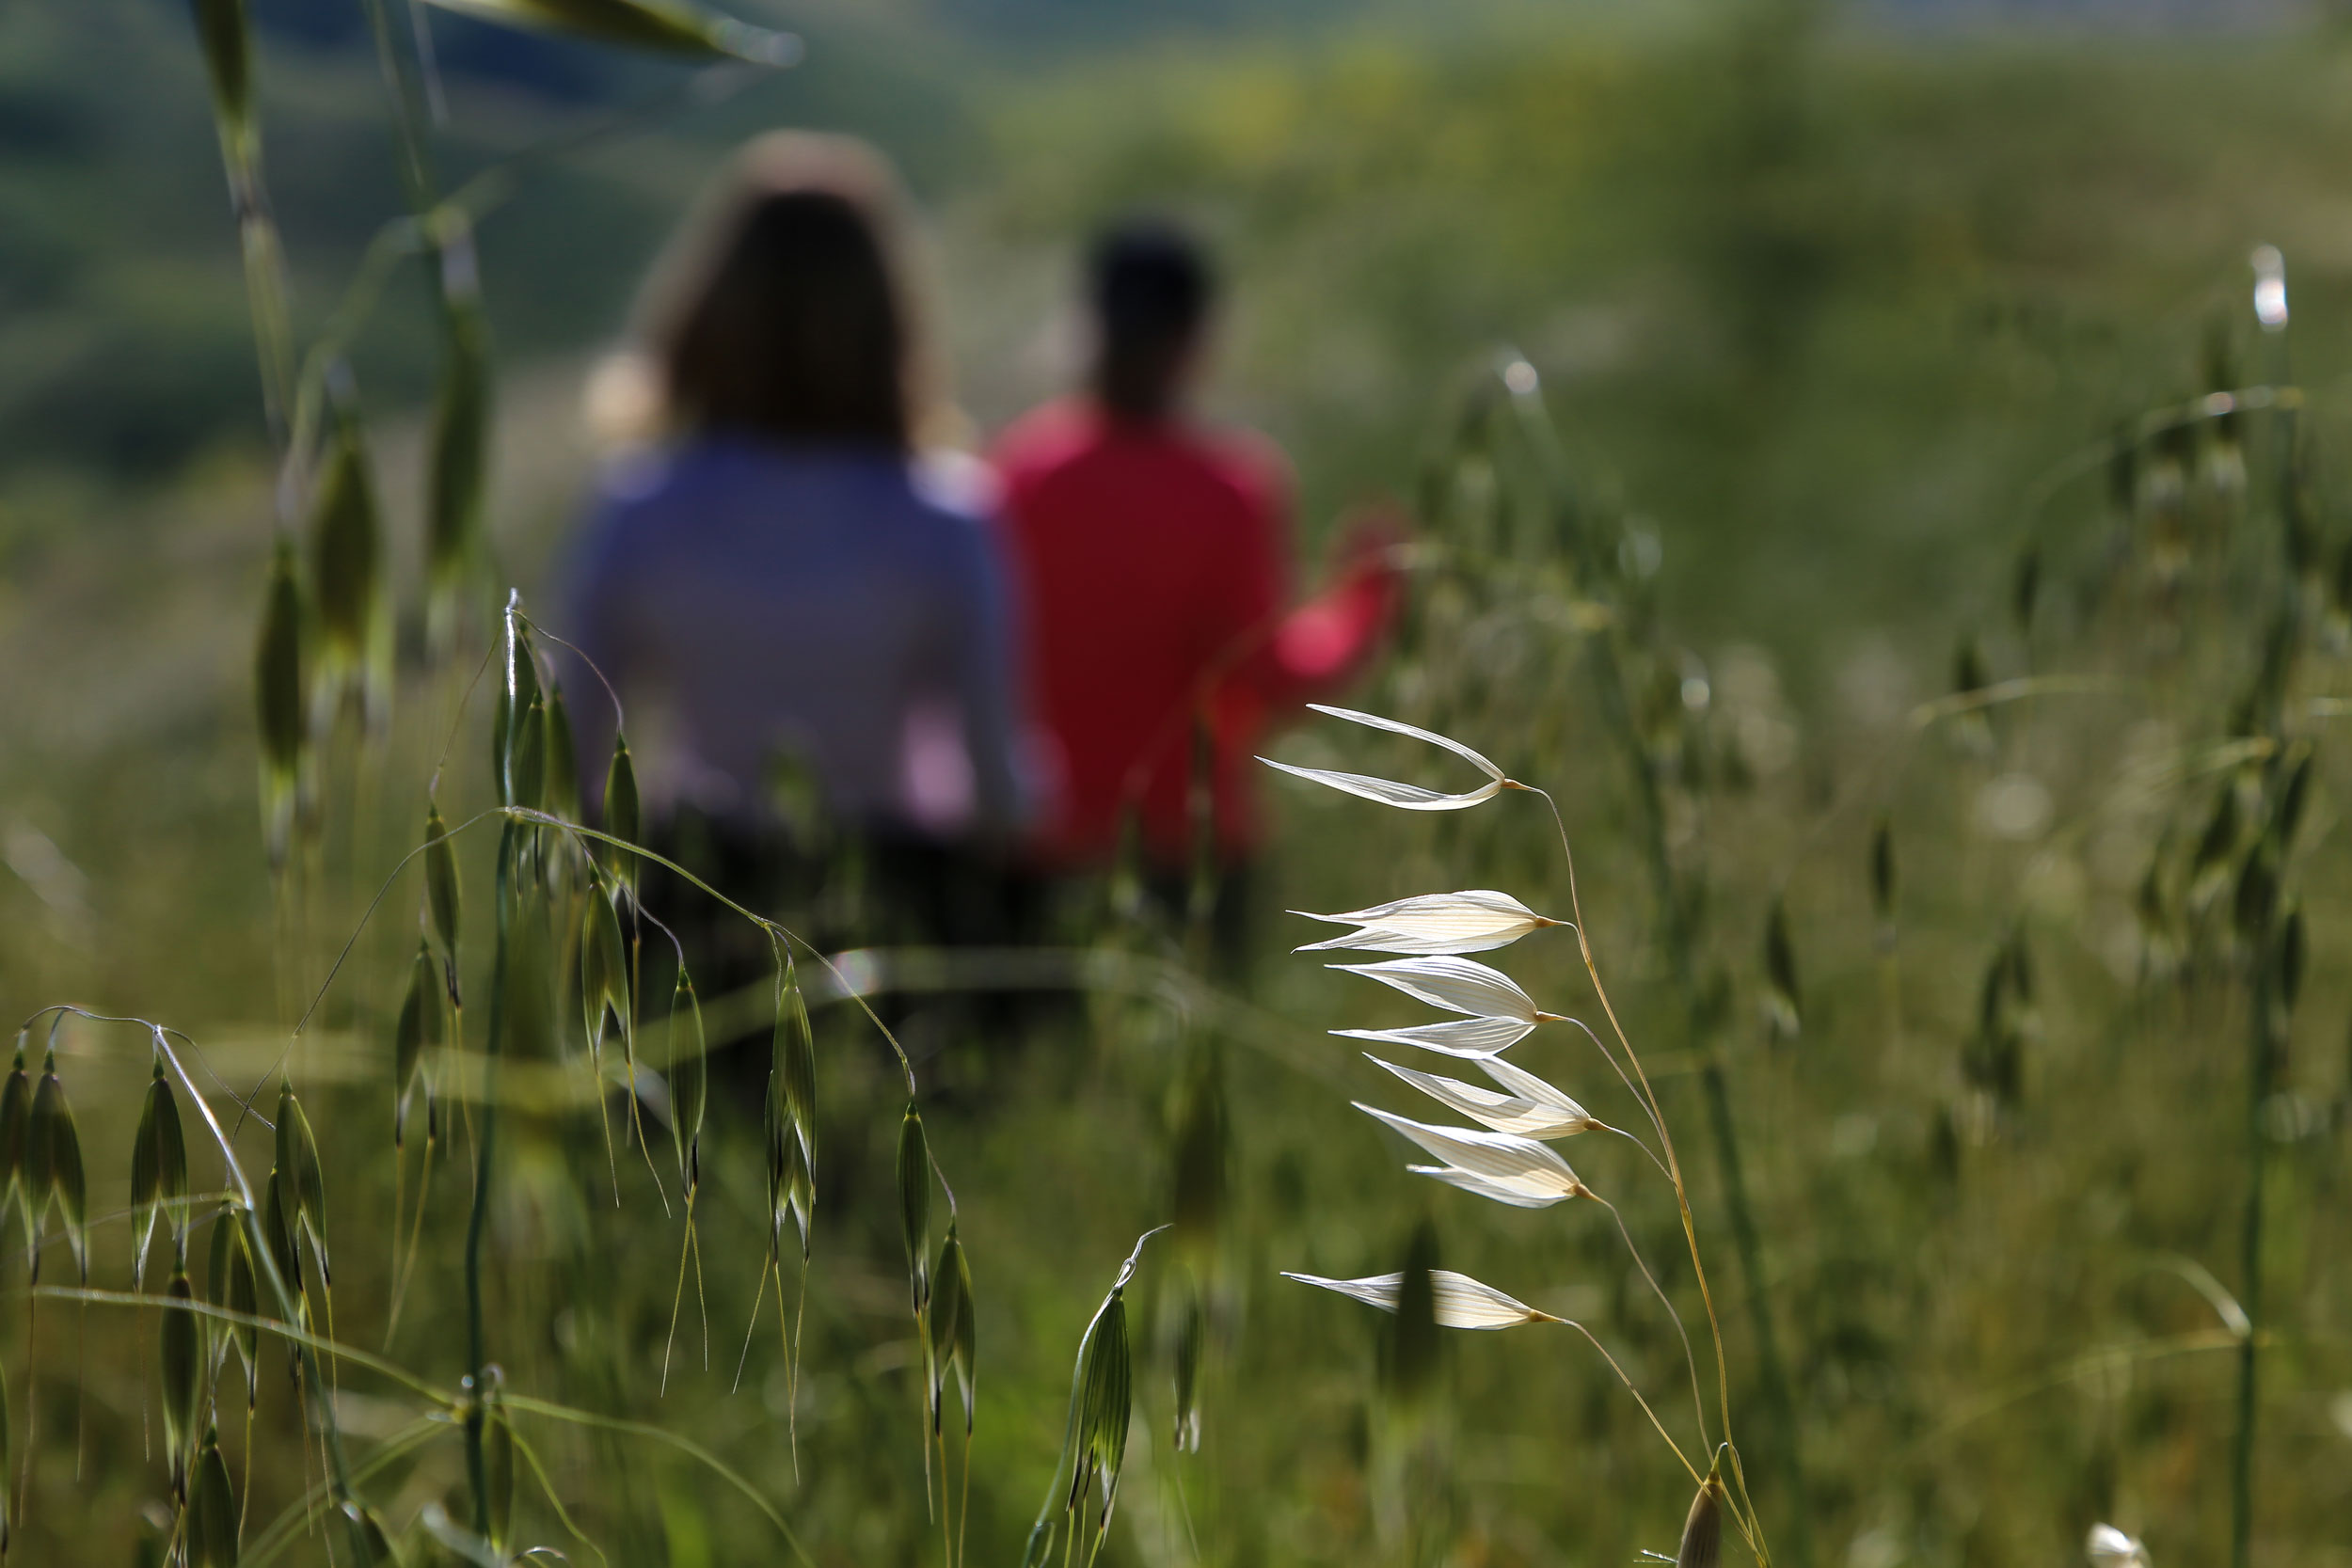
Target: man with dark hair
(1152, 560)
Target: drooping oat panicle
(1457, 985)
(53, 1174)
(2109, 1547)
(1473, 1038)
(159, 1172)
(518, 694)
(213, 1524)
(1474, 921)
(1511, 1169)
(183, 1361)
(689, 1079)
(297, 1150)
(1461, 1302)
(422, 1032)
(1534, 1109)
(621, 814)
(278, 1221)
(1388, 792)
(1703, 1529)
(914, 1204)
(670, 26)
(279, 679)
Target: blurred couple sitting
(902, 694)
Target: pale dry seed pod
(1472, 1039)
(2109, 1547)
(791, 1111)
(1703, 1529)
(53, 1175)
(1515, 1170)
(670, 26)
(1461, 1301)
(159, 1172)
(1534, 1110)
(1388, 792)
(1457, 985)
(1476, 920)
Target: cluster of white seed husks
(1508, 1156)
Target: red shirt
(1153, 566)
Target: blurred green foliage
(1817, 307)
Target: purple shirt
(828, 603)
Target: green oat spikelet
(791, 1112)
(229, 1285)
(183, 1360)
(563, 764)
(423, 1030)
(621, 814)
(16, 1104)
(914, 1205)
(690, 1080)
(211, 1522)
(159, 1173)
(443, 895)
(53, 1174)
(1095, 1440)
(279, 679)
(347, 582)
(298, 1163)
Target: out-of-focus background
(1839, 311)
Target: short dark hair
(1150, 287)
(782, 313)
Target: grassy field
(1839, 339)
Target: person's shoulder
(1244, 463)
(1047, 438)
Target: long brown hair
(782, 308)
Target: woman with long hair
(813, 624)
